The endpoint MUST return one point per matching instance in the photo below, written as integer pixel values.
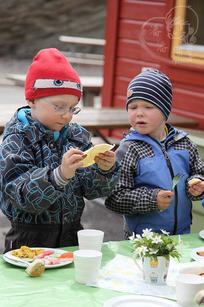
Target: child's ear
(31, 103)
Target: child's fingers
(104, 164)
(106, 154)
(74, 151)
(200, 185)
(194, 181)
(166, 201)
(98, 159)
(167, 194)
(196, 189)
(77, 164)
(164, 198)
(73, 159)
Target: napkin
(121, 274)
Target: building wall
(139, 34)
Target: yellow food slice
(94, 151)
(193, 181)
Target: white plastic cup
(87, 265)
(90, 239)
(187, 285)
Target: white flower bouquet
(152, 244)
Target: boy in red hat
(43, 181)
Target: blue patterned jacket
(28, 155)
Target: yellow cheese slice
(94, 151)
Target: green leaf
(176, 181)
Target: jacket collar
(174, 135)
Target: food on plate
(53, 257)
(66, 256)
(45, 253)
(93, 152)
(52, 261)
(26, 252)
(201, 253)
(202, 274)
(193, 181)
(36, 268)
(46, 257)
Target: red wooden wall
(138, 34)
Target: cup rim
(89, 230)
(190, 279)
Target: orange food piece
(68, 255)
(201, 253)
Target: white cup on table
(90, 239)
(87, 264)
(187, 285)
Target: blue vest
(153, 172)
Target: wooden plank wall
(138, 34)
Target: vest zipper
(59, 152)
(176, 191)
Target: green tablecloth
(57, 287)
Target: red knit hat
(51, 74)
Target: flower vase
(155, 270)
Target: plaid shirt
(128, 199)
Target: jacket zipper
(59, 151)
(176, 191)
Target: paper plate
(201, 234)
(8, 257)
(94, 151)
(194, 253)
(140, 301)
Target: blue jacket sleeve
(25, 185)
(97, 183)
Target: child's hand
(106, 160)
(196, 187)
(71, 160)
(164, 199)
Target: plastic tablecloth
(57, 287)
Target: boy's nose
(140, 112)
(67, 115)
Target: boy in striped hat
(151, 155)
(43, 181)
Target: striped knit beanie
(153, 86)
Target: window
(188, 34)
